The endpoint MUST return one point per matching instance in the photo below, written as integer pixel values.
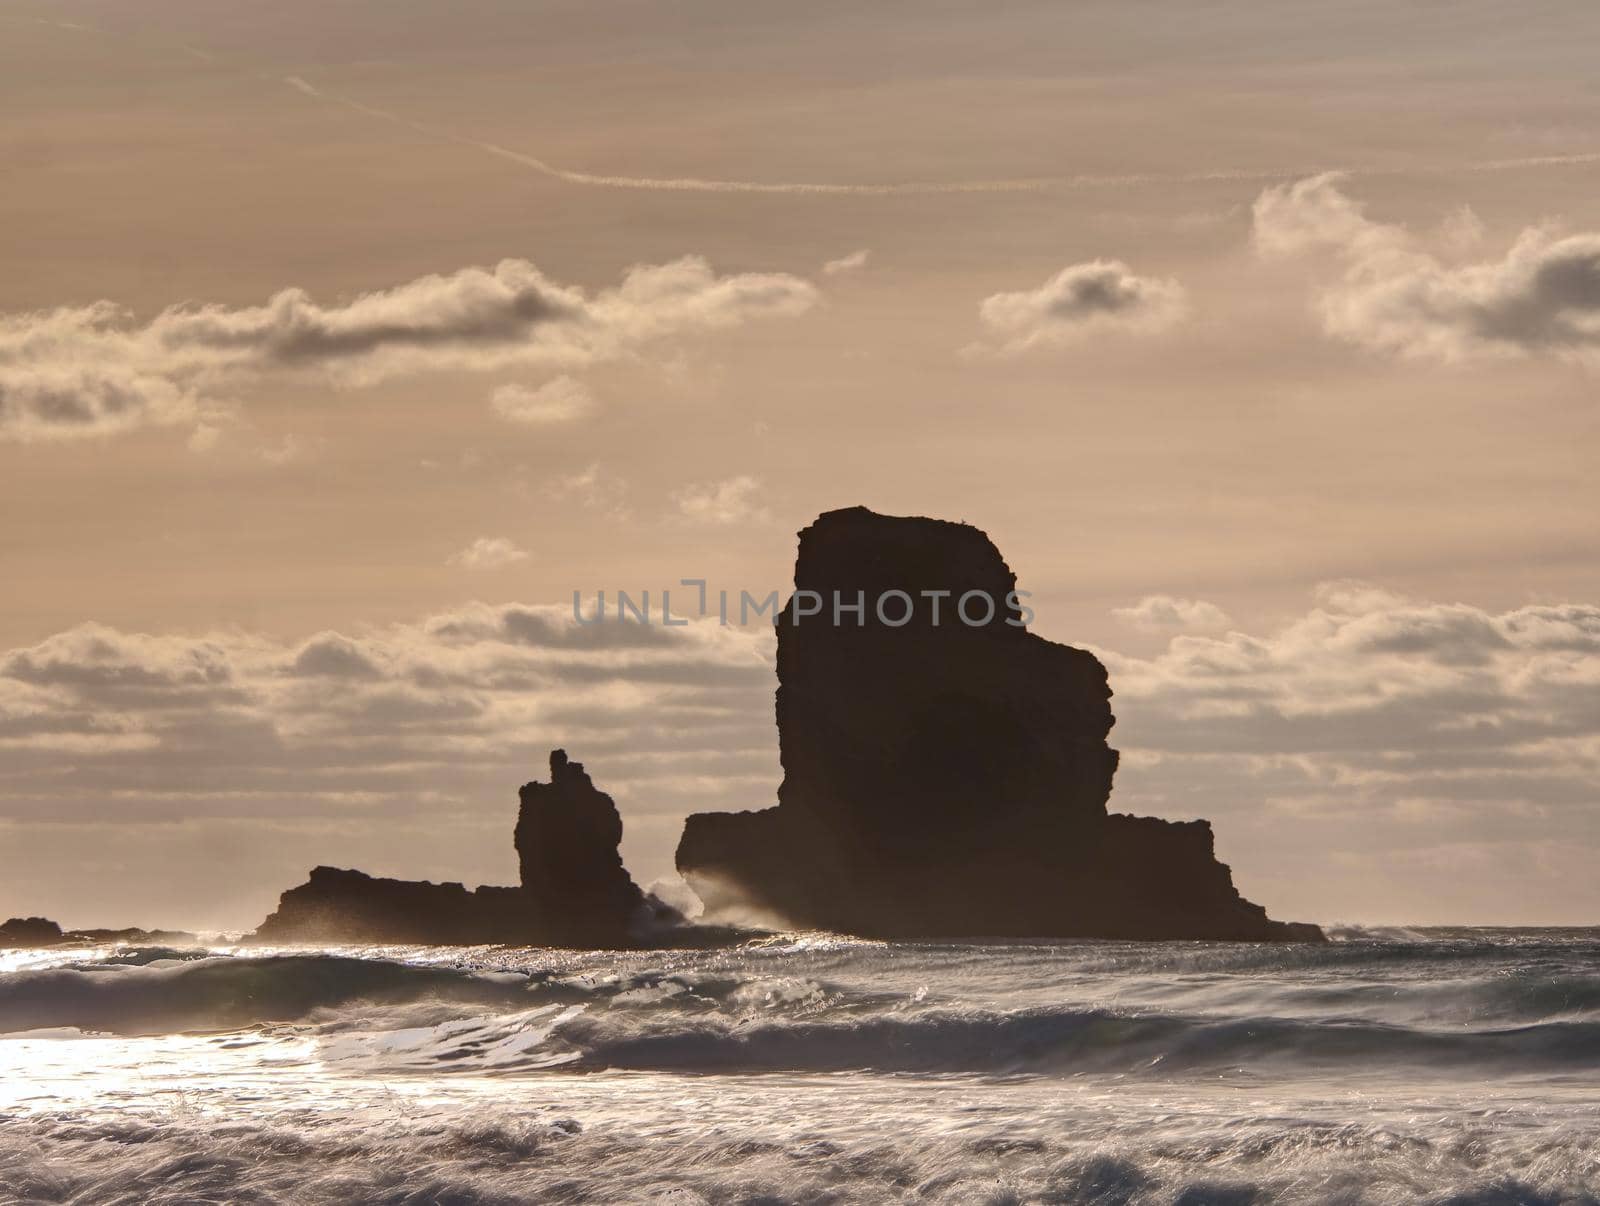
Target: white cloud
(559, 400)
(95, 370)
(733, 500)
(1395, 296)
(1096, 296)
(1165, 613)
(853, 262)
(1293, 219)
(489, 552)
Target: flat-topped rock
(946, 772)
(18, 932)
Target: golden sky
(341, 343)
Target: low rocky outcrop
(946, 772)
(22, 932)
(29, 931)
(574, 891)
(340, 905)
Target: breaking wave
(941, 1042)
(1123, 1009)
(499, 1159)
(1449, 1068)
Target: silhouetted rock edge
(948, 779)
(575, 891)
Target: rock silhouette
(340, 905)
(20, 932)
(567, 839)
(574, 891)
(946, 772)
(29, 931)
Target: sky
(341, 343)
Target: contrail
(676, 184)
(693, 184)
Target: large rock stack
(946, 772)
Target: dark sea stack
(567, 838)
(575, 891)
(19, 932)
(946, 772)
(339, 905)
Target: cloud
(96, 657)
(1370, 685)
(290, 448)
(204, 437)
(489, 552)
(559, 400)
(594, 488)
(332, 655)
(1375, 749)
(1462, 230)
(1095, 296)
(853, 262)
(1541, 297)
(733, 500)
(1363, 751)
(1293, 219)
(73, 372)
(95, 370)
(229, 722)
(135, 764)
(1164, 613)
(220, 430)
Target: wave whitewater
(1452, 1068)
(1472, 1007)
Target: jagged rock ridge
(947, 774)
(574, 891)
(567, 838)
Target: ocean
(1455, 1066)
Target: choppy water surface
(1458, 1066)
